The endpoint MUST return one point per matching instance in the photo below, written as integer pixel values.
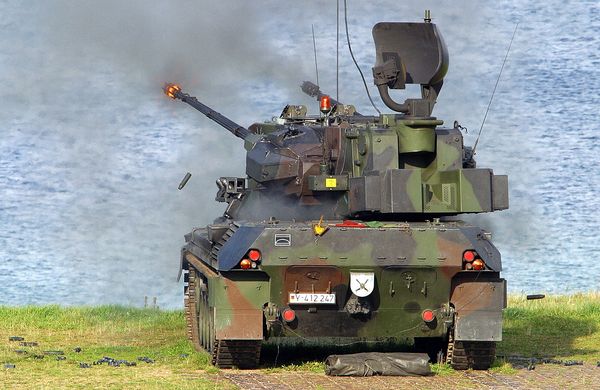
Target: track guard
(478, 305)
(238, 300)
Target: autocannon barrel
(313, 90)
(174, 91)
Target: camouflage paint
(413, 263)
(238, 301)
(329, 195)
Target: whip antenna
(337, 52)
(354, 59)
(312, 26)
(495, 86)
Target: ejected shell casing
(184, 181)
(535, 296)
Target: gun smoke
(94, 151)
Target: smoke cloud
(95, 151)
(207, 46)
(106, 150)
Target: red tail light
(469, 256)
(428, 315)
(288, 315)
(254, 254)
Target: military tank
(344, 226)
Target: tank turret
(347, 165)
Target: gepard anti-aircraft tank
(342, 226)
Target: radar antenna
(410, 53)
(495, 86)
(312, 26)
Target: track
(462, 355)
(199, 318)
(236, 353)
(191, 311)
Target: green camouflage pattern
(414, 265)
(340, 203)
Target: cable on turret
(354, 59)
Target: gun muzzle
(172, 90)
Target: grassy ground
(116, 332)
(563, 327)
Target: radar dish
(417, 49)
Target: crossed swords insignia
(362, 286)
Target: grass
(310, 366)
(442, 369)
(114, 331)
(559, 327)
(502, 366)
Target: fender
(478, 304)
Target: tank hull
(370, 281)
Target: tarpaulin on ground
(378, 363)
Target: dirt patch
(543, 376)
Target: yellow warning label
(331, 182)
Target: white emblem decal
(362, 283)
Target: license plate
(307, 298)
